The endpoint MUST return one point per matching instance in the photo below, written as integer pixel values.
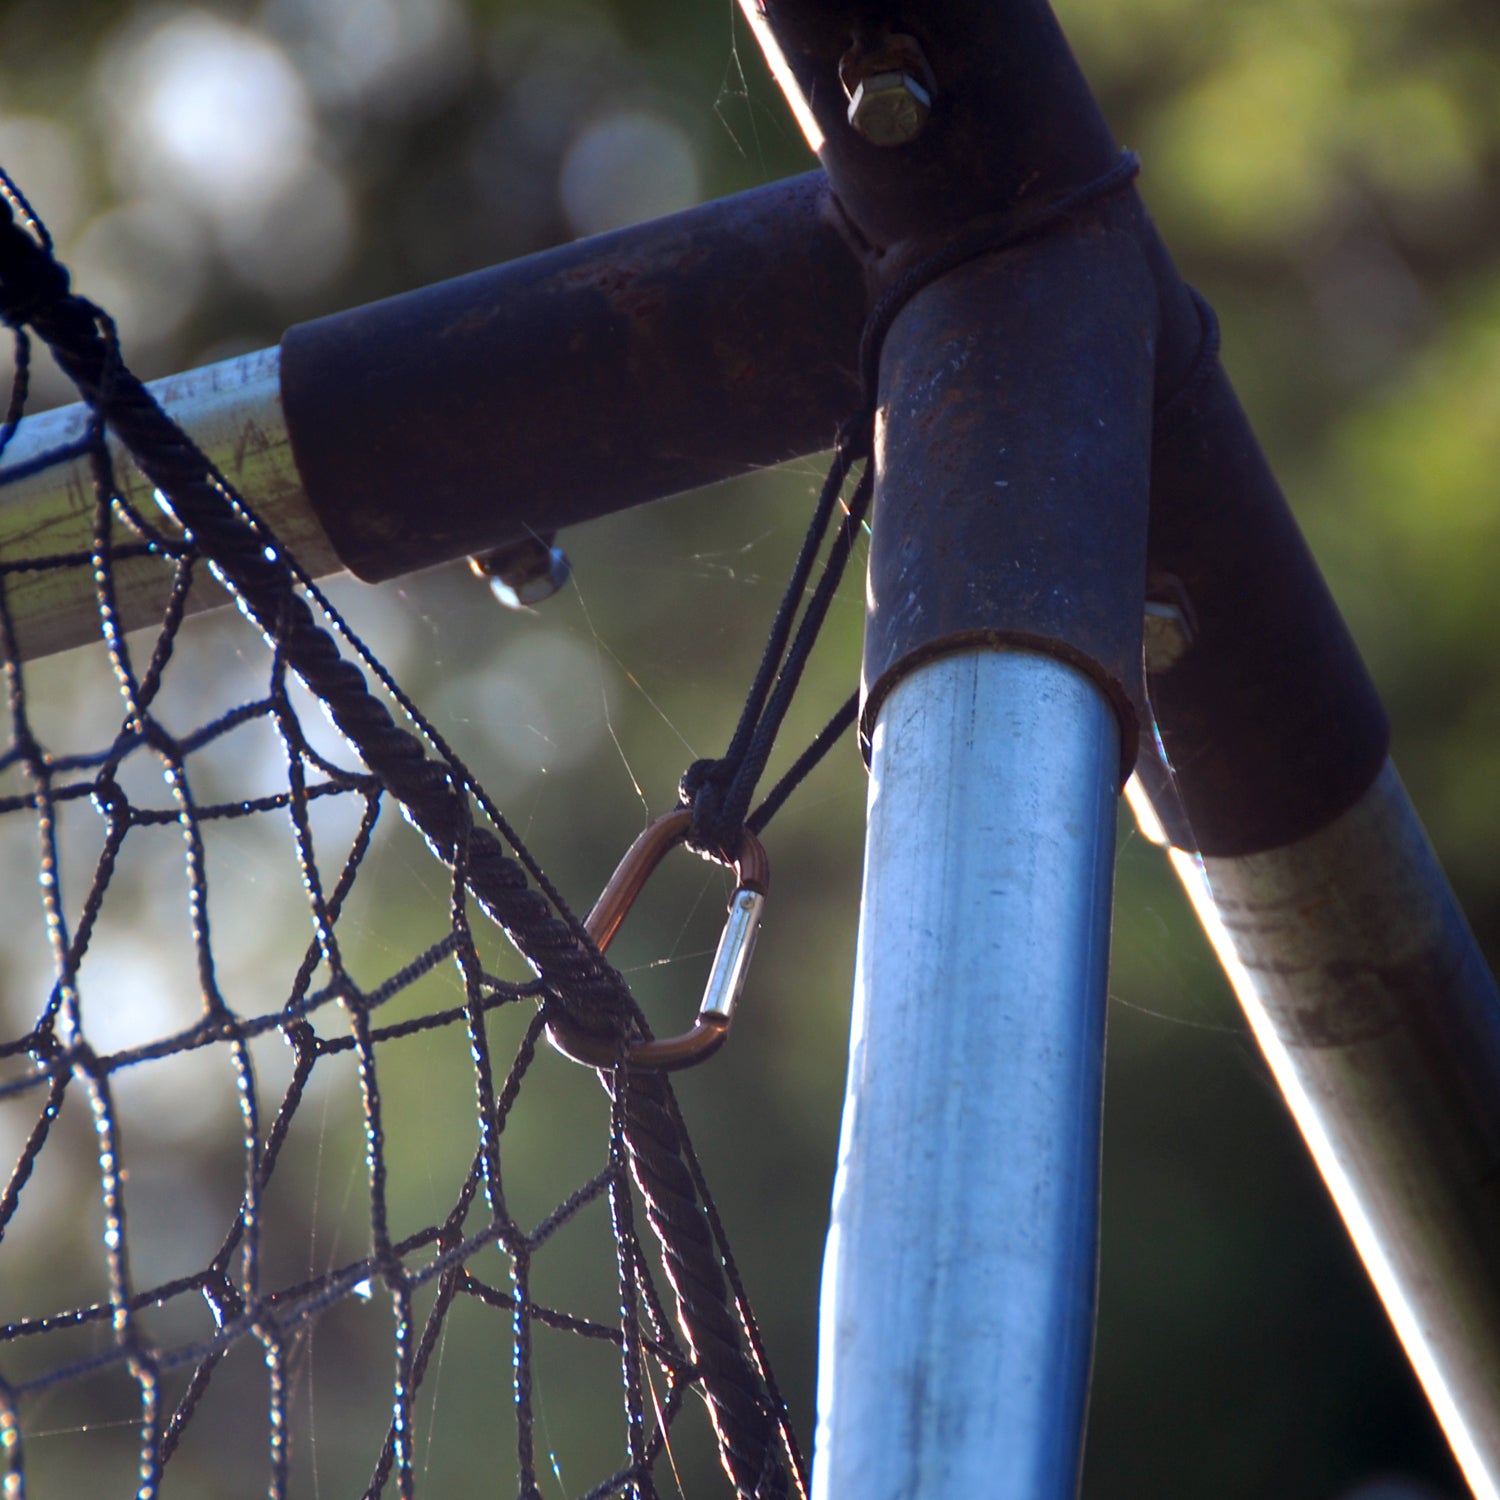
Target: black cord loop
(1171, 413)
(719, 792)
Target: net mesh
(170, 1080)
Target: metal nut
(524, 572)
(889, 109)
(1171, 622)
(1167, 637)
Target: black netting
(185, 1211)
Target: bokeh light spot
(628, 166)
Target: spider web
(184, 1212)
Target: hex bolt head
(1171, 622)
(523, 573)
(1168, 635)
(889, 109)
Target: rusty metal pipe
(516, 400)
(577, 382)
(1012, 465)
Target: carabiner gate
(726, 978)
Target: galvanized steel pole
(956, 1324)
(233, 412)
(1002, 678)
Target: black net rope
(132, 1327)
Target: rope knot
(704, 789)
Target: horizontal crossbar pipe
(577, 382)
(437, 424)
(233, 412)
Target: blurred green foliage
(1326, 171)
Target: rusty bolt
(890, 90)
(1169, 624)
(524, 572)
(889, 109)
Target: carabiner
(752, 874)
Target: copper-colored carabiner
(752, 873)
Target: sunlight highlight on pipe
(1409, 1327)
(781, 71)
